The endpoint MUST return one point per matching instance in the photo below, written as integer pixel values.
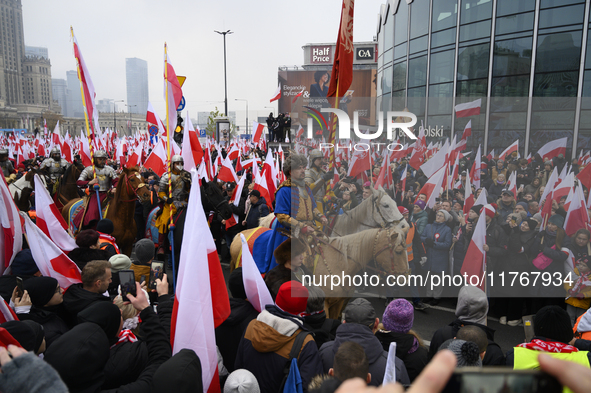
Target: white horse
(378, 211)
(26, 181)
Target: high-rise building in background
(36, 51)
(12, 43)
(136, 71)
(75, 99)
(61, 93)
(106, 105)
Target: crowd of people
(93, 340)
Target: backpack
(293, 354)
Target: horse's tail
(267, 221)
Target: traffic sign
(181, 104)
(153, 130)
(202, 133)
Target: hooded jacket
(414, 361)
(472, 309)
(229, 333)
(323, 328)
(374, 351)
(264, 349)
(77, 299)
(420, 220)
(179, 374)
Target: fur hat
(87, 238)
(294, 161)
(292, 298)
(291, 247)
(119, 262)
(553, 323)
(399, 316)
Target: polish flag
(258, 131)
(451, 177)
(135, 159)
(468, 196)
(512, 184)
(235, 200)
(360, 162)
(153, 118)
(563, 188)
(398, 154)
(475, 260)
(227, 172)
(192, 151)
(6, 315)
(529, 158)
(436, 162)
(585, 160)
(385, 176)
(491, 155)
(277, 94)
(85, 152)
(584, 177)
(50, 220)
(257, 292)
(418, 154)
(201, 304)
(172, 90)
(467, 130)
(260, 184)
(476, 168)
(119, 155)
(51, 261)
(40, 147)
(233, 153)
(432, 187)
(482, 198)
(156, 161)
(249, 163)
(403, 178)
(11, 238)
(269, 173)
(577, 216)
(297, 96)
(300, 131)
(507, 152)
(553, 149)
(469, 108)
(88, 89)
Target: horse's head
(390, 252)
(213, 198)
(133, 182)
(386, 212)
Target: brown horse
(122, 207)
(67, 188)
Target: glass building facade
(528, 60)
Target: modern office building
(136, 71)
(61, 93)
(528, 60)
(75, 99)
(37, 51)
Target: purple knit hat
(420, 203)
(399, 316)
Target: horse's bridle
(391, 248)
(128, 186)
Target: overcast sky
(267, 34)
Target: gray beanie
(466, 352)
(537, 217)
(119, 262)
(445, 214)
(144, 251)
(241, 381)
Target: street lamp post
(114, 113)
(129, 111)
(225, 78)
(242, 99)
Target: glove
(168, 201)
(429, 242)
(327, 176)
(306, 230)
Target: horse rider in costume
(316, 177)
(6, 165)
(295, 208)
(55, 165)
(181, 185)
(106, 178)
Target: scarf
(583, 282)
(125, 336)
(548, 346)
(551, 233)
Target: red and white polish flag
(468, 196)
(432, 187)
(235, 200)
(6, 313)
(469, 108)
(227, 172)
(257, 292)
(175, 94)
(507, 152)
(257, 131)
(577, 216)
(156, 161)
(201, 302)
(192, 151)
(135, 159)
(277, 94)
(50, 220)
(467, 130)
(50, 260)
(475, 260)
(512, 184)
(11, 238)
(553, 149)
(475, 171)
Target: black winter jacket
(414, 362)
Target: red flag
(192, 151)
(553, 149)
(258, 131)
(50, 220)
(403, 178)
(432, 187)
(507, 152)
(577, 216)
(342, 68)
(235, 200)
(420, 147)
(491, 155)
(87, 87)
(277, 94)
(201, 304)
(296, 96)
(360, 162)
(135, 159)
(469, 108)
(467, 130)
(584, 177)
(227, 172)
(475, 260)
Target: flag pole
(169, 169)
(90, 147)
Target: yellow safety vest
(527, 359)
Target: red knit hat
(292, 298)
(489, 210)
(402, 210)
